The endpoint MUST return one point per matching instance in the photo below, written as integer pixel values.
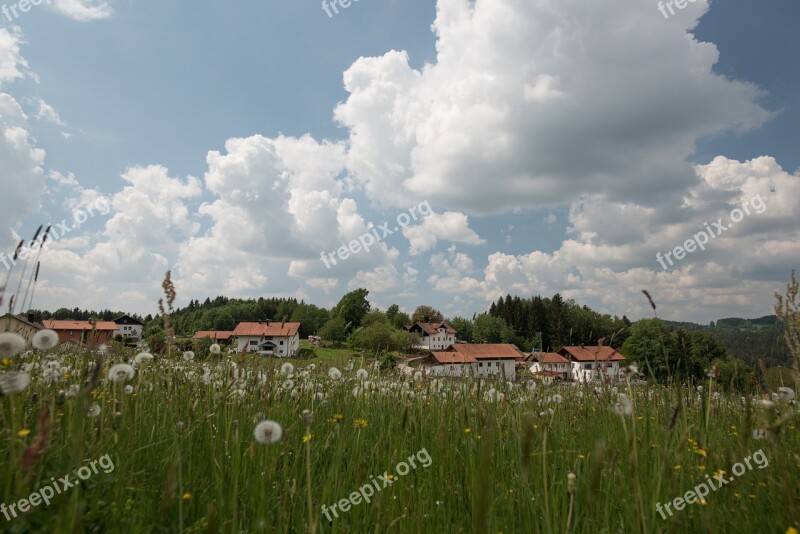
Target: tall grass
(185, 458)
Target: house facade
(279, 339)
(128, 327)
(475, 360)
(19, 325)
(83, 332)
(593, 364)
(550, 367)
(432, 336)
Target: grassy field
(488, 457)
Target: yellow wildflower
(360, 423)
(23, 433)
(467, 431)
(337, 417)
(307, 438)
(701, 452)
(187, 496)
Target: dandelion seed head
(14, 382)
(121, 372)
(361, 374)
(11, 344)
(44, 339)
(287, 369)
(142, 357)
(334, 373)
(268, 432)
(188, 356)
(214, 349)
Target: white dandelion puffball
(94, 410)
(287, 368)
(349, 366)
(128, 389)
(786, 394)
(767, 404)
(417, 376)
(214, 349)
(73, 391)
(311, 367)
(334, 373)
(13, 383)
(188, 355)
(44, 339)
(102, 349)
(361, 374)
(624, 406)
(288, 384)
(11, 344)
(268, 432)
(121, 372)
(142, 357)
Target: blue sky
(561, 146)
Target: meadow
(504, 457)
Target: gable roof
(591, 354)
(78, 325)
(127, 319)
(219, 335)
(549, 357)
(433, 328)
(20, 319)
(487, 351)
(267, 329)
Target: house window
(480, 364)
(488, 364)
(281, 342)
(253, 342)
(588, 366)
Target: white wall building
(594, 364)
(128, 327)
(475, 360)
(268, 338)
(433, 336)
(550, 366)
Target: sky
(435, 152)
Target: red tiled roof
(487, 351)
(591, 354)
(549, 357)
(267, 329)
(453, 357)
(433, 328)
(220, 335)
(78, 325)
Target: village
(437, 349)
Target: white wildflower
(11, 344)
(268, 432)
(287, 368)
(334, 373)
(44, 339)
(361, 374)
(624, 406)
(14, 382)
(142, 357)
(786, 394)
(188, 356)
(121, 372)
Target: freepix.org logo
(377, 234)
(57, 487)
(55, 232)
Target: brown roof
(433, 328)
(549, 357)
(487, 351)
(453, 357)
(220, 335)
(267, 329)
(78, 325)
(591, 354)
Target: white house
(128, 327)
(433, 336)
(550, 366)
(279, 339)
(590, 364)
(475, 360)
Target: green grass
(185, 459)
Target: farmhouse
(589, 364)
(550, 367)
(19, 325)
(128, 327)
(280, 339)
(432, 336)
(220, 337)
(84, 332)
(476, 360)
